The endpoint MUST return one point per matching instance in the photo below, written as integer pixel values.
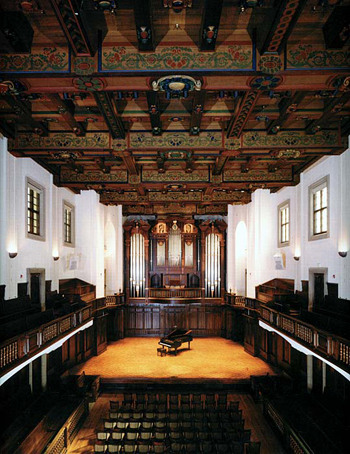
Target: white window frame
(71, 208)
(280, 208)
(315, 187)
(30, 184)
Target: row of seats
(204, 447)
(175, 423)
(144, 400)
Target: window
(319, 209)
(35, 211)
(68, 224)
(283, 224)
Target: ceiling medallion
(176, 86)
(88, 83)
(286, 154)
(66, 154)
(265, 82)
(177, 5)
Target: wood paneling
(159, 319)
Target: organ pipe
(137, 265)
(212, 266)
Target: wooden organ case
(175, 260)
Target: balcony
(320, 336)
(17, 350)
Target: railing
(67, 433)
(28, 343)
(172, 293)
(290, 438)
(324, 343)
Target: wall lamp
(296, 257)
(12, 255)
(55, 258)
(343, 253)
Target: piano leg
(189, 345)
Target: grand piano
(176, 338)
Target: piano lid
(178, 332)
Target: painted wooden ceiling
(267, 95)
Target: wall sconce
(55, 257)
(296, 258)
(343, 253)
(12, 255)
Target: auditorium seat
(237, 447)
(253, 447)
(114, 405)
(117, 435)
(129, 447)
(113, 447)
(207, 447)
(222, 448)
(108, 424)
(100, 447)
(102, 435)
(190, 448)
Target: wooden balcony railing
(174, 293)
(23, 346)
(326, 344)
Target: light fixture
(296, 258)
(105, 5)
(177, 5)
(343, 253)
(55, 258)
(176, 86)
(12, 255)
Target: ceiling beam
(286, 108)
(286, 17)
(144, 25)
(23, 111)
(197, 112)
(129, 162)
(239, 120)
(334, 106)
(7, 130)
(210, 24)
(76, 24)
(154, 113)
(112, 119)
(345, 128)
(66, 110)
(220, 163)
(101, 162)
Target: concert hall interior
(174, 226)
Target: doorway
(318, 278)
(36, 286)
(319, 290)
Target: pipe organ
(175, 260)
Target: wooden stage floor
(210, 359)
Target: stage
(135, 360)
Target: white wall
(260, 217)
(90, 219)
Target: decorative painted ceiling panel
(78, 97)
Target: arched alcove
(241, 247)
(110, 259)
